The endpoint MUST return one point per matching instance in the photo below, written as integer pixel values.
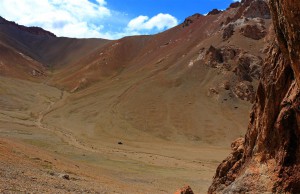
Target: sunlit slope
(185, 84)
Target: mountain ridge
(33, 29)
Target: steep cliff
(268, 158)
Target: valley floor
(28, 168)
(39, 156)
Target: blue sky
(178, 8)
(111, 19)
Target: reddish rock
(214, 12)
(258, 9)
(221, 55)
(253, 32)
(248, 68)
(270, 158)
(191, 19)
(226, 171)
(235, 4)
(213, 56)
(185, 190)
(229, 53)
(244, 91)
(252, 9)
(228, 31)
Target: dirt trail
(70, 139)
(64, 134)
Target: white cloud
(62, 17)
(160, 22)
(82, 18)
(101, 2)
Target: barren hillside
(153, 111)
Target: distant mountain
(208, 63)
(28, 52)
(32, 30)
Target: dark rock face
(248, 19)
(253, 31)
(251, 9)
(258, 8)
(214, 12)
(214, 56)
(287, 30)
(269, 159)
(246, 69)
(228, 32)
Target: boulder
(185, 190)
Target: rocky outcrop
(244, 90)
(214, 12)
(213, 56)
(248, 68)
(249, 9)
(191, 19)
(257, 8)
(244, 68)
(185, 190)
(227, 171)
(253, 31)
(269, 158)
(249, 19)
(235, 5)
(228, 31)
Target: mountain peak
(214, 12)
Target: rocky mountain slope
(267, 160)
(129, 108)
(216, 70)
(30, 52)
